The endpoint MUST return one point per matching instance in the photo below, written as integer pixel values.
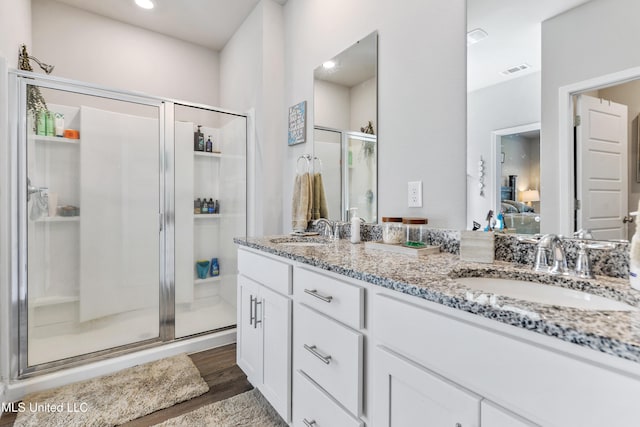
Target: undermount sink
(299, 241)
(544, 294)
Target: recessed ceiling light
(145, 4)
(474, 36)
(329, 65)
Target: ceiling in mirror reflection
(514, 37)
(353, 65)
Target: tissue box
(477, 246)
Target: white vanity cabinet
(328, 349)
(406, 394)
(541, 379)
(264, 327)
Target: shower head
(45, 67)
(25, 57)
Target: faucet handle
(583, 264)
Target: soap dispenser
(355, 226)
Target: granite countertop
(433, 278)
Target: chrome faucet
(550, 255)
(586, 242)
(331, 226)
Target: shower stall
(108, 222)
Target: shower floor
(48, 343)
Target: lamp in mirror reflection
(530, 196)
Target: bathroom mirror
(512, 60)
(345, 130)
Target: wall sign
(298, 123)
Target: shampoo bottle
(209, 145)
(355, 226)
(634, 257)
(198, 140)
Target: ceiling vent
(474, 36)
(514, 70)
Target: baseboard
(15, 390)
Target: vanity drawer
(314, 405)
(331, 355)
(335, 298)
(269, 272)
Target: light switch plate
(415, 194)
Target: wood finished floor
(218, 368)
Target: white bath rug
(115, 398)
(249, 409)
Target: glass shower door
(90, 208)
(210, 210)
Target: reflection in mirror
(345, 127)
(504, 80)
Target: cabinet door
(494, 416)
(275, 313)
(408, 395)
(249, 338)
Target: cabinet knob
(309, 423)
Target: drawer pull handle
(312, 350)
(309, 423)
(315, 293)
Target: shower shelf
(58, 219)
(47, 301)
(55, 139)
(206, 154)
(201, 216)
(208, 280)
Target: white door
(601, 167)
(250, 342)
(407, 395)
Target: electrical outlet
(415, 194)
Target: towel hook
(320, 163)
(307, 157)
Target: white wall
(421, 110)
(363, 105)
(252, 76)
(513, 103)
(15, 29)
(595, 39)
(91, 48)
(332, 106)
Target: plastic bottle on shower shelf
(209, 145)
(212, 206)
(204, 207)
(198, 140)
(355, 226)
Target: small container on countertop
(392, 230)
(415, 232)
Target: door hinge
(577, 121)
(577, 204)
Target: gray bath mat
(115, 398)
(249, 409)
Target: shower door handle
(32, 189)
